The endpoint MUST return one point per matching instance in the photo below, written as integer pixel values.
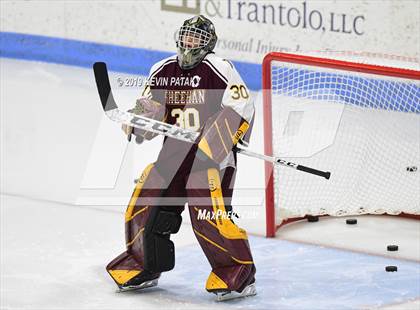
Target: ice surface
(54, 257)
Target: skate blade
(144, 285)
(250, 290)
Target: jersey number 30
(188, 118)
(239, 91)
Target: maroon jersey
(191, 97)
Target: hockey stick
(115, 114)
(283, 162)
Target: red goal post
(303, 68)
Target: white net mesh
(364, 128)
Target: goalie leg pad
(149, 225)
(223, 242)
(123, 268)
(159, 251)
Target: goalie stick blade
(104, 87)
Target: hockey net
(359, 121)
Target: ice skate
(141, 281)
(135, 287)
(224, 295)
(233, 282)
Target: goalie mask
(196, 38)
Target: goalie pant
(154, 212)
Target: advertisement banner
(247, 30)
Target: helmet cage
(192, 38)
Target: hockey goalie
(202, 92)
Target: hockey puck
(351, 221)
(412, 169)
(391, 268)
(312, 218)
(392, 247)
